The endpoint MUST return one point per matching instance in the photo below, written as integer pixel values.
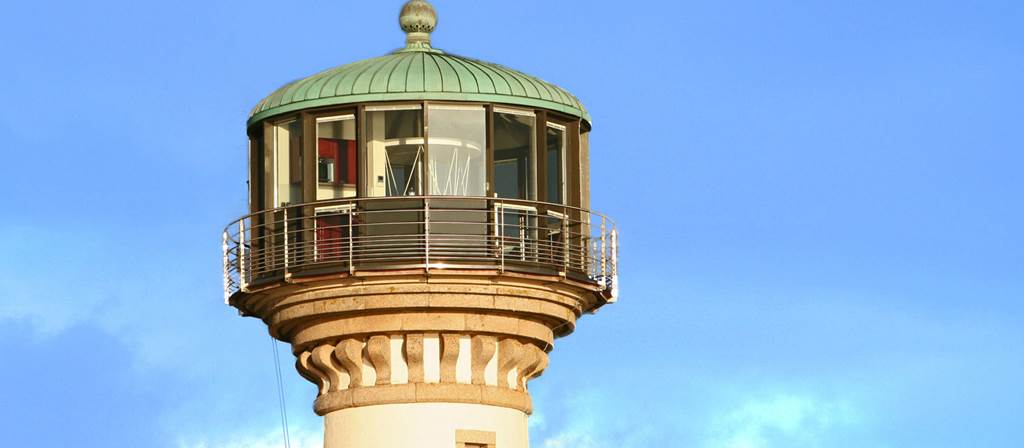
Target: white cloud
(789, 421)
(574, 438)
(168, 320)
(704, 415)
(594, 421)
(300, 438)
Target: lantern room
(419, 159)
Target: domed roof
(418, 72)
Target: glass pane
(458, 162)
(404, 167)
(287, 163)
(514, 139)
(394, 152)
(336, 157)
(257, 167)
(556, 164)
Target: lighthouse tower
(420, 233)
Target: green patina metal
(418, 74)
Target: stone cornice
(411, 338)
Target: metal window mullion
(424, 174)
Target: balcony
(423, 232)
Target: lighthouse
(420, 232)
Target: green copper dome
(418, 72)
(418, 75)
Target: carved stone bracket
(355, 372)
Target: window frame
(263, 188)
(533, 170)
(455, 105)
(331, 116)
(563, 163)
(270, 160)
(467, 438)
(363, 172)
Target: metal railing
(430, 232)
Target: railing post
(522, 235)
(285, 211)
(604, 257)
(426, 233)
(585, 240)
(227, 273)
(351, 217)
(615, 265)
(501, 235)
(242, 265)
(565, 241)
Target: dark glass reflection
(514, 139)
(394, 152)
(555, 154)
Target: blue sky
(820, 207)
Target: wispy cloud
(163, 315)
(594, 422)
(300, 438)
(790, 421)
(705, 414)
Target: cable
(280, 395)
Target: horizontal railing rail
(430, 232)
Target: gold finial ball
(418, 19)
